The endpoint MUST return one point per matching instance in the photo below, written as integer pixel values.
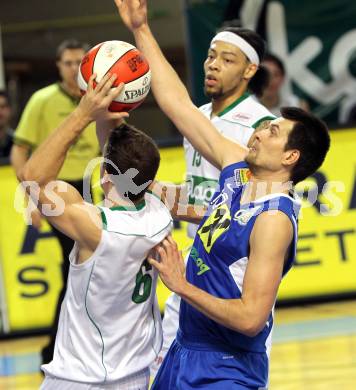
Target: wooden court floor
(314, 348)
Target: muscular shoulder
(272, 226)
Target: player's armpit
(233, 152)
(64, 207)
(270, 241)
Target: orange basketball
(127, 63)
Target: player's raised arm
(172, 95)
(61, 203)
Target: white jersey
(110, 324)
(238, 122)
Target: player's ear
(291, 157)
(250, 71)
(105, 177)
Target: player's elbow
(28, 173)
(252, 330)
(247, 329)
(25, 173)
(251, 327)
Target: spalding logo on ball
(127, 63)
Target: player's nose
(214, 64)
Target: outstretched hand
(171, 265)
(95, 103)
(133, 13)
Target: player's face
(276, 78)
(68, 65)
(5, 112)
(267, 146)
(226, 68)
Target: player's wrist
(81, 118)
(183, 288)
(141, 31)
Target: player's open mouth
(210, 80)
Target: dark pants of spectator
(66, 245)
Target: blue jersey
(219, 258)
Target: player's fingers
(173, 244)
(118, 116)
(130, 5)
(156, 264)
(181, 256)
(91, 83)
(171, 241)
(115, 92)
(105, 80)
(168, 247)
(106, 88)
(162, 253)
(143, 4)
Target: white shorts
(138, 381)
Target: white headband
(244, 46)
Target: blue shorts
(188, 366)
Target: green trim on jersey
(93, 322)
(265, 118)
(103, 219)
(138, 207)
(234, 104)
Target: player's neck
(115, 200)
(220, 104)
(258, 187)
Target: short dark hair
(129, 147)
(261, 78)
(310, 136)
(277, 61)
(5, 95)
(70, 44)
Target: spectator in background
(6, 131)
(273, 97)
(44, 112)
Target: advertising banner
(315, 40)
(326, 251)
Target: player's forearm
(174, 100)
(188, 213)
(165, 81)
(170, 194)
(46, 162)
(231, 313)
